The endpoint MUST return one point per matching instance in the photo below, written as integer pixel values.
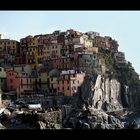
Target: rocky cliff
(111, 86)
(108, 94)
(97, 97)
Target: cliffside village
(48, 68)
(52, 64)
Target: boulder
(2, 126)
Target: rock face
(106, 94)
(96, 96)
(2, 127)
(51, 119)
(93, 119)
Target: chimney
(0, 36)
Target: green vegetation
(107, 55)
(126, 75)
(129, 76)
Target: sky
(123, 26)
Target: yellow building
(2, 78)
(53, 77)
(43, 76)
(32, 56)
(10, 47)
(32, 50)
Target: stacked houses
(50, 64)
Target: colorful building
(2, 78)
(26, 84)
(52, 81)
(43, 76)
(68, 82)
(53, 51)
(10, 46)
(12, 80)
(30, 48)
(8, 50)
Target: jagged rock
(86, 126)
(111, 119)
(133, 125)
(100, 126)
(2, 127)
(107, 94)
(90, 118)
(109, 126)
(57, 126)
(99, 104)
(95, 119)
(7, 112)
(41, 125)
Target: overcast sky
(123, 26)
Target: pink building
(76, 82)
(12, 80)
(68, 82)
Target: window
(73, 81)
(39, 73)
(47, 102)
(11, 80)
(58, 82)
(51, 79)
(0, 69)
(39, 80)
(78, 81)
(27, 81)
(1, 80)
(11, 87)
(68, 88)
(63, 88)
(63, 82)
(68, 82)
(58, 88)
